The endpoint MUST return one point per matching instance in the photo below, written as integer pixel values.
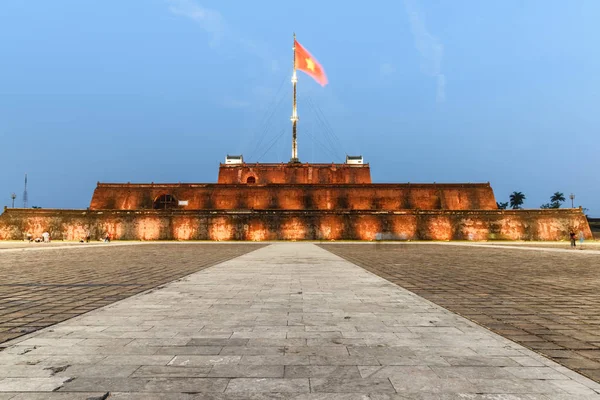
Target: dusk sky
(505, 91)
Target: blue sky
(427, 91)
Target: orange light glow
(293, 229)
(256, 231)
(148, 228)
(367, 227)
(330, 228)
(183, 229)
(440, 228)
(474, 229)
(404, 227)
(220, 229)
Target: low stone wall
(295, 225)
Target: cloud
(386, 69)
(221, 33)
(210, 20)
(226, 38)
(230, 102)
(234, 103)
(429, 47)
(441, 88)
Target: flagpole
(294, 158)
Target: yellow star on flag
(304, 61)
(310, 64)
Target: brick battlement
(294, 173)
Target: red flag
(307, 63)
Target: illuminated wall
(389, 197)
(296, 225)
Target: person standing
(46, 237)
(573, 239)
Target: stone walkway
(285, 321)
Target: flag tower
(294, 118)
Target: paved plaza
(548, 301)
(289, 320)
(46, 284)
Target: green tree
(516, 200)
(557, 199)
(502, 205)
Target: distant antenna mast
(25, 197)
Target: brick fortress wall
(294, 173)
(295, 225)
(389, 197)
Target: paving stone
(277, 385)
(24, 371)
(403, 371)
(512, 386)
(216, 342)
(159, 342)
(412, 384)
(275, 360)
(482, 361)
(319, 371)
(381, 351)
(195, 361)
(135, 359)
(317, 351)
(58, 396)
(154, 384)
(160, 371)
(247, 371)
(341, 385)
(535, 372)
(187, 350)
(31, 384)
(252, 351)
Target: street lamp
(572, 197)
(13, 196)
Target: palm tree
(516, 200)
(502, 205)
(557, 198)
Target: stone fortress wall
(390, 197)
(295, 225)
